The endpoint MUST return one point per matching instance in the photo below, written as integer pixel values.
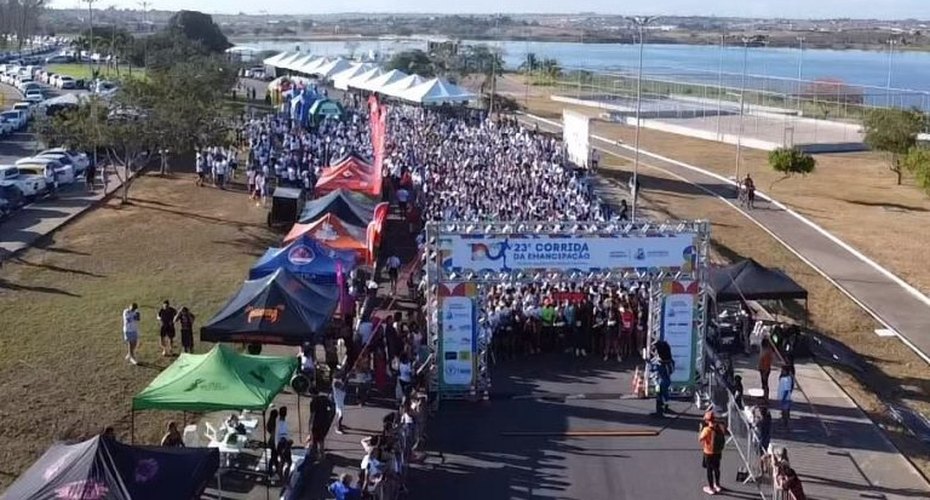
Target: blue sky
(885, 9)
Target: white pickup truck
(31, 186)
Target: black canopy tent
(352, 208)
(749, 280)
(105, 468)
(276, 309)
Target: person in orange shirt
(713, 438)
(766, 356)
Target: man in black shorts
(166, 316)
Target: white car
(54, 79)
(37, 165)
(35, 96)
(16, 119)
(66, 82)
(25, 108)
(30, 185)
(78, 160)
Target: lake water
(910, 70)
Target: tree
(893, 131)
(790, 161)
(530, 64)
(412, 61)
(917, 162)
(199, 27)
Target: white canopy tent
(285, 62)
(340, 79)
(303, 64)
(277, 58)
(311, 66)
(397, 88)
(333, 67)
(364, 77)
(379, 82)
(437, 91)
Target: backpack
(720, 439)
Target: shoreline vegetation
(704, 39)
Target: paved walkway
(38, 219)
(887, 298)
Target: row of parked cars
(39, 176)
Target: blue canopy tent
(308, 97)
(306, 258)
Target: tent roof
(332, 232)
(222, 379)
(275, 59)
(437, 91)
(353, 175)
(340, 79)
(379, 82)
(305, 257)
(750, 280)
(333, 67)
(396, 88)
(364, 77)
(117, 471)
(306, 64)
(285, 62)
(277, 309)
(352, 208)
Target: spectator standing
(339, 402)
(713, 439)
(785, 389)
(186, 318)
(131, 318)
(766, 355)
(393, 267)
(166, 333)
(172, 437)
(344, 490)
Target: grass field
(62, 372)
(80, 71)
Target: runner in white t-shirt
(131, 319)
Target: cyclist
(750, 187)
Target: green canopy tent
(222, 379)
(326, 108)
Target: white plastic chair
(210, 433)
(191, 438)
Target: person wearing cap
(713, 439)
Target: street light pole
(90, 56)
(801, 40)
(891, 44)
(723, 46)
(742, 99)
(640, 22)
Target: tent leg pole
(268, 460)
(300, 432)
(132, 427)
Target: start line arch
(463, 259)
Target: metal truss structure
(437, 275)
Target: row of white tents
(345, 74)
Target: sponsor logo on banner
(272, 314)
(326, 232)
(678, 331)
(300, 255)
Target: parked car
(79, 160)
(66, 82)
(37, 165)
(30, 185)
(35, 96)
(6, 208)
(6, 128)
(54, 80)
(59, 59)
(15, 118)
(25, 108)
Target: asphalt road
(482, 462)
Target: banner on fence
(458, 336)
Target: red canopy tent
(351, 174)
(334, 233)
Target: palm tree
(530, 64)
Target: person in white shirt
(131, 319)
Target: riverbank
(785, 40)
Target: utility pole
(723, 46)
(640, 22)
(801, 40)
(742, 107)
(90, 55)
(891, 44)
(145, 10)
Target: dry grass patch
(62, 368)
